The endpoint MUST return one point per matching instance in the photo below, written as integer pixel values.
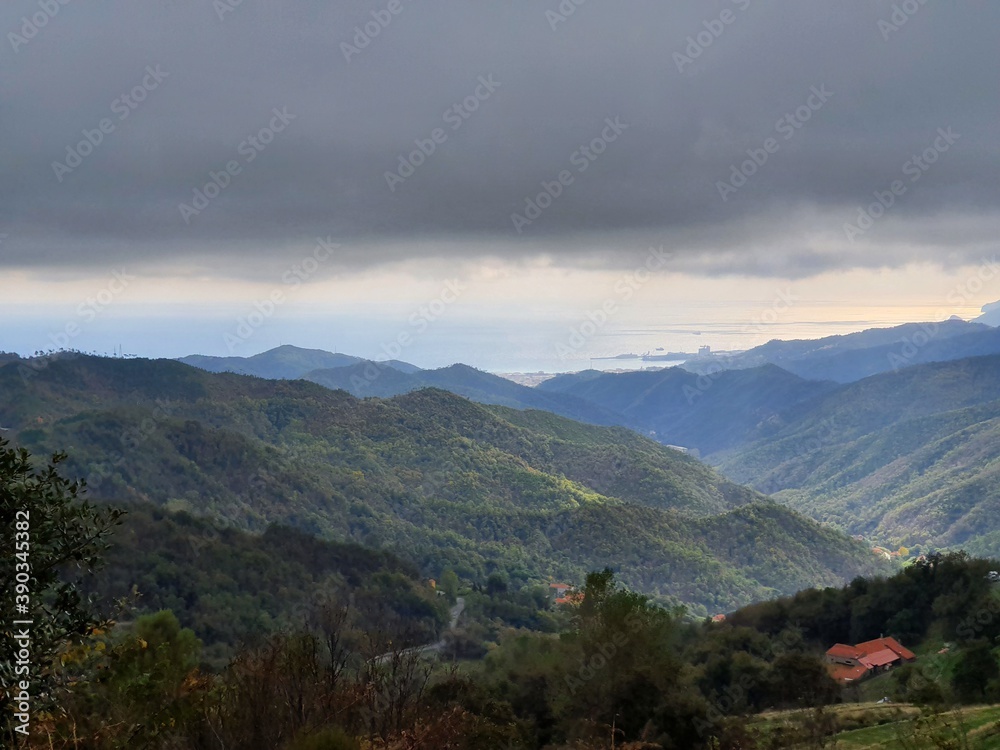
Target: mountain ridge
(850, 357)
(453, 483)
(285, 362)
(911, 457)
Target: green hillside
(909, 458)
(283, 362)
(367, 379)
(228, 585)
(709, 413)
(430, 476)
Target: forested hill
(432, 476)
(708, 413)
(366, 379)
(230, 585)
(912, 457)
(284, 362)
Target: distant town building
(704, 351)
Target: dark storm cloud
(697, 84)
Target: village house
(848, 664)
(559, 589)
(565, 594)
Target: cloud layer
(287, 117)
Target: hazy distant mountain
(282, 363)
(375, 379)
(430, 475)
(913, 456)
(847, 367)
(991, 315)
(854, 356)
(708, 413)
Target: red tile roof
(880, 658)
(845, 673)
(843, 651)
(879, 644)
(873, 654)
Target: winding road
(437, 646)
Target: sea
(509, 347)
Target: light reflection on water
(511, 348)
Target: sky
(509, 184)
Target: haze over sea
(512, 345)
(537, 348)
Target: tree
(138, 686)
(496, 584)
(50, 538)
(449, 584)
(973, 672)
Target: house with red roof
(565, 594)
(848, 664)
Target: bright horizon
(675, 172)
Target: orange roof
(899, 648)
(880, 658)
(559, 586)
(843, 651)
(879, 644)
(845, 673)
(718, 618)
